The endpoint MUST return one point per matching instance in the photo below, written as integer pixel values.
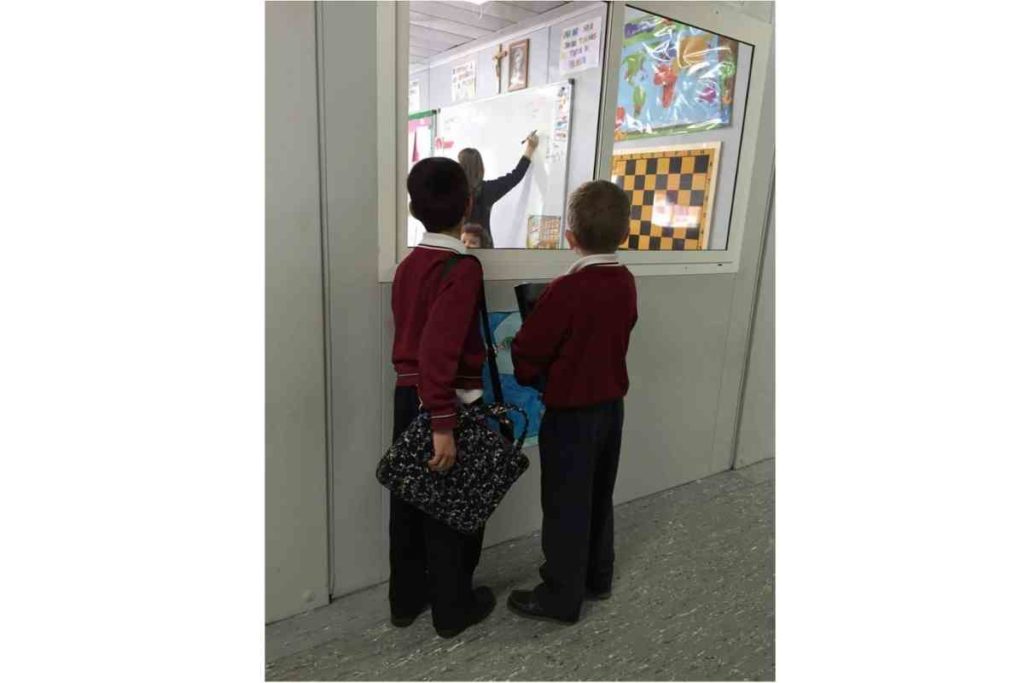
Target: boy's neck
(455, 232)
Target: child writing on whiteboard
(575, 341)
(486, 193)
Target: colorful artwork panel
(673, 78)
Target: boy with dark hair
(575, 340)
(438, 355)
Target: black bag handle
(491, 349)
(500, 413)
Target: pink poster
(421, 138)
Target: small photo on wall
(519, 64)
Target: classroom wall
(435, 85)
(435, 92)
(296, 449)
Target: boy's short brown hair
(599, 216)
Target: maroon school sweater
(577, 336)
(437, 347)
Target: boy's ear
(571, 237)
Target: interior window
(512, 91)
(679, 116)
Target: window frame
(531, 264)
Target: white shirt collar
(594, 260)
(437, 240)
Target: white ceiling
(436, 27)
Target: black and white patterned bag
(487, 463)
(485, 468)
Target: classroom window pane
(482, 78)
(678, 126)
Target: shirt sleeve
(493, 190)
(540, 338)
(452, 312)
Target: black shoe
(402, 621)
(598, 595)
(525, 604)
(482, 607)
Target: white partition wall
(756, 438)
(296, 450)
(356, 306)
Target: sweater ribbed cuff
(445, 419)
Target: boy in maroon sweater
(574, 343)
(438, 355)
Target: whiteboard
(496, 126)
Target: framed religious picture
(518, 64)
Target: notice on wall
(464, 81)
(414, 96)
(579, 49)
(543, 232)
(558, 145)
(421, 139)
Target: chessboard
(672, 192)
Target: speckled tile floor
(693, 600)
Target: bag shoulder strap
(490, 348)
(450, 263)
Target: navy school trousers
(579, 460)
(430, 562)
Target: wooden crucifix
(499, 54)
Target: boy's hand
(444, 451)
